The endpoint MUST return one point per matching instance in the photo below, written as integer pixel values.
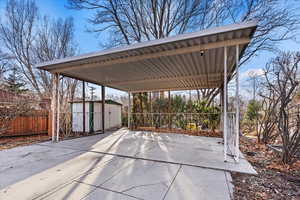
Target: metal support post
(129, 110)
(237, 118)
(225, 105)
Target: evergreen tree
(253, 110)
(14, 82)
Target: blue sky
(88, 42)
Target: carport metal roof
(187, 61)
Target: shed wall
(112, 116)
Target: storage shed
(93, 114)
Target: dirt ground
(274, 180)
(11, 142)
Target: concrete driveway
(119, 165)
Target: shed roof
(187, 61)
(108, 101)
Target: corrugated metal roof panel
(170, 63)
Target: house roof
(187, 61)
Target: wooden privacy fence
(34, 123)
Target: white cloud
(249, 72)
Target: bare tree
(4, 64)
(17, 33)
(268, 118)
(276, 22)
(32, 39)
(254, 80)
(282, 78)
(54, 40)
(130, 21)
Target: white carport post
(83, 107)
(103, 108)
(237, 118)
(55, 108)
(225, 105)
(151, 112)
(129, 110)
(58, 109)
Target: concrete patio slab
(75, 190)
(107, 195)
(144, 179)
(31, 153)
(194, 183)
(102, 174)
(22, 162)
(194, 156)
(138, 178)
(119, 165)
(47, 180)
(166, 147)
(90, 142)
(72, 190)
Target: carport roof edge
(134, 55)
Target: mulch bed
(11, 142)
(274, 180)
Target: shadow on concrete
(131, 163)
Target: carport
(204, 59)
(126, 164)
